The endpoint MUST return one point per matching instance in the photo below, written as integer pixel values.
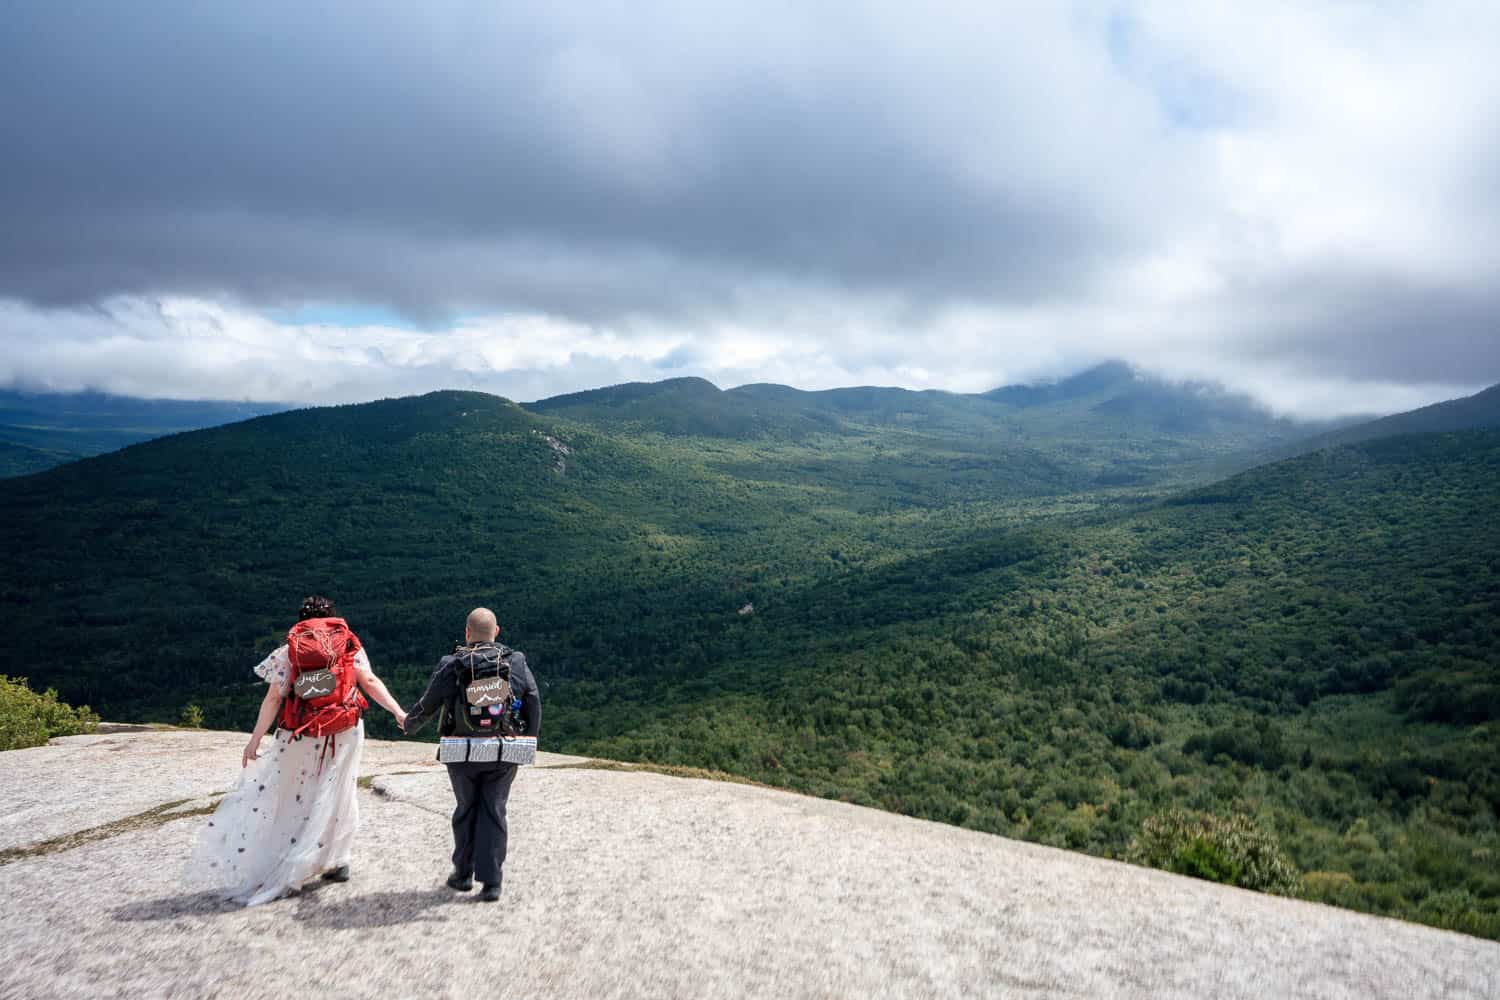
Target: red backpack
(323, 699)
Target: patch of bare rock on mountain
(626, 883)
(560, 452)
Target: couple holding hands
(292, 816)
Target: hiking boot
(459, 882)
(491, 893)
(339, 874)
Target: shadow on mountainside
(172, 907)
(375, 909)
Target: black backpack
(486, 703)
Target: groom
(479, 788)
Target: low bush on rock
(1227, 849)
(29, 719)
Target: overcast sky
(339, 201)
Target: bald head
(481, 626)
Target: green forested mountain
(39, 430)
(580, 535)
(859, 596)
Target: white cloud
(186, 348)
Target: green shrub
(192, 717)
(1204, 859)
(28, 719)
(1231, 850)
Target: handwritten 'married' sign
(488, 691)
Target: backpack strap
(330, 747)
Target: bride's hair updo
(315, 607)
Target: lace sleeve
(274, 669)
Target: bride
(293, 813)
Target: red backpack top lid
(318, 643)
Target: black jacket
(443, 689)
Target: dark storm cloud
(949, 195)
(452, 155)
(1374, 326)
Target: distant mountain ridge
(1125, 426)
(39, 430)
(1180, 424)
(1465, 413)
(683, 407)
(1113, 388)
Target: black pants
(479, 817)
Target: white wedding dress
(290, 817)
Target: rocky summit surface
(636, 884)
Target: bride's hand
(401, 721)
(250, 752)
